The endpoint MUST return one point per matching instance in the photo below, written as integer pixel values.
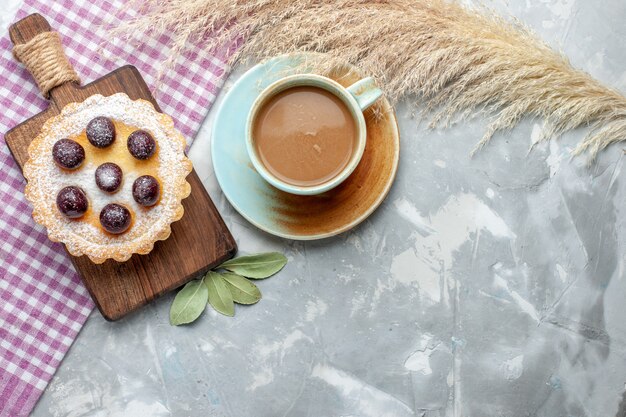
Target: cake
(106, 177)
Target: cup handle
(365, 92)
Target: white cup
(357, 97)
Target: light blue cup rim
(348, 95)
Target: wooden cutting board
(199, 241)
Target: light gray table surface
(485, 286)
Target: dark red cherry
(68, 154)
(146, 190)
(115, 218)
(109, 177)
(72, 202)
(141, 144)
(101, 132)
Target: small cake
(106, 177)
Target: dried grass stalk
(456, 61)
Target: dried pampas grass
(456, 61)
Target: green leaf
(242, 290)
(219, 295)
(189, 303)
(258, 266)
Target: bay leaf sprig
(189, 302)
(220, 296)
(241, 289)
(259, 266)
(224, 286)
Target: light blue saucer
(256, 200)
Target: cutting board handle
(40, 49)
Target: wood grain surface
(199, 241)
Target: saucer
(292, 216)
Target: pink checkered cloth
(43, 303)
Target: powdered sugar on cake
(45, 179)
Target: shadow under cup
(305, 134)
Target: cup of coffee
(306, 133)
